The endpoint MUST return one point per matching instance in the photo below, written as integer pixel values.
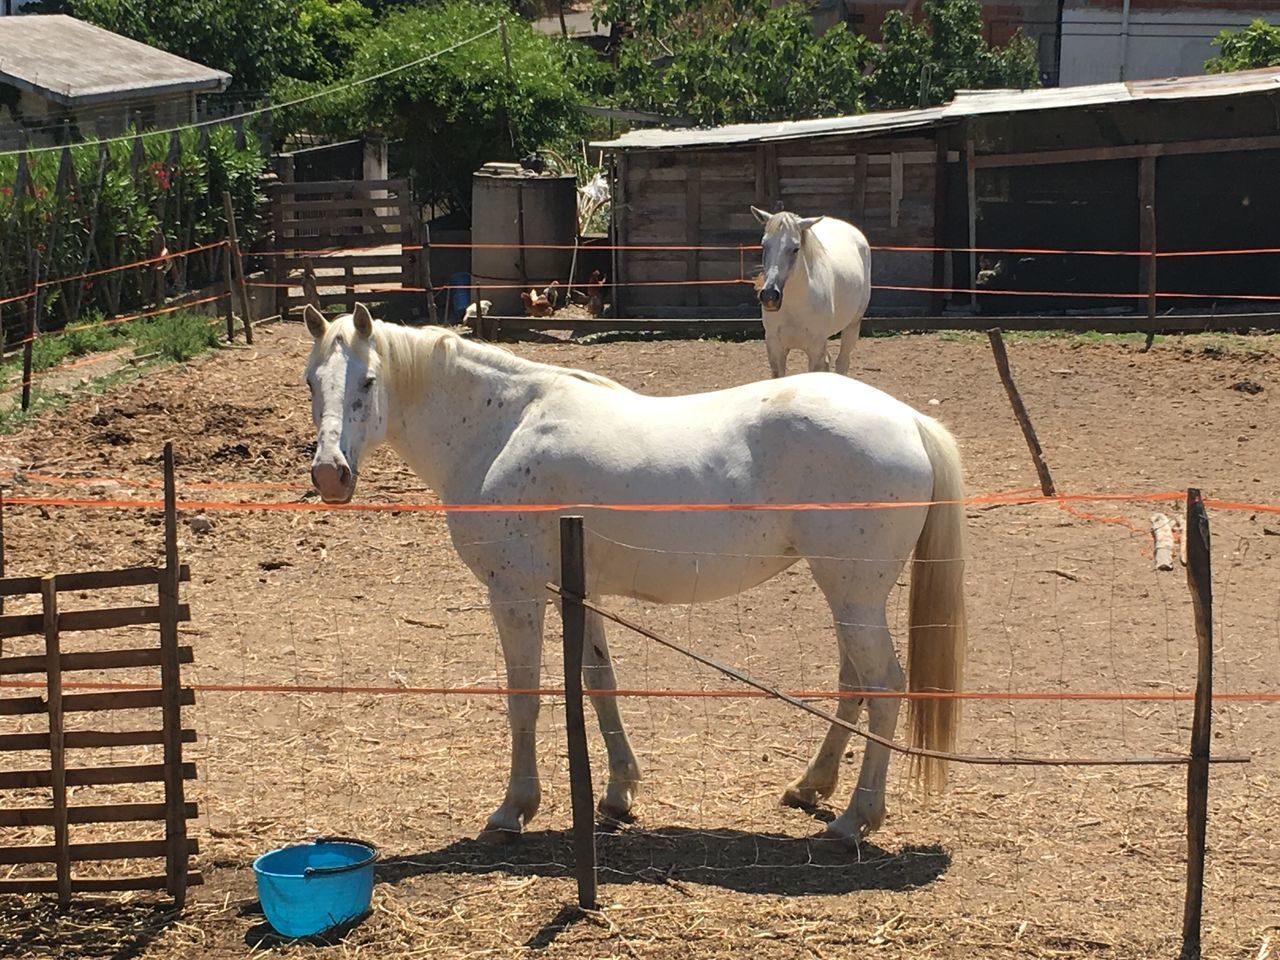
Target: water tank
(503, 195)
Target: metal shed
(1170, 165)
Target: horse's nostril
(344, 474)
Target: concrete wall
(1161, 42)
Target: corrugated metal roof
(74, 63)
(968, 103)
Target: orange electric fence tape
(1003, 695)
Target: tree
(256, 41)
(450, 114)
(1257, 45)
(721, 61)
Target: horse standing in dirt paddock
(482, 426)
(816, 283)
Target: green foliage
(256, 41)
(724, 61)
(334, 31)
(110, 213)
(451, 113)
(177, 336)
(926, 63)
(1257, 45)
(764, 65)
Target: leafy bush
(1257, 45)
(109, 214)
(175, 336)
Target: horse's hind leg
(867, 648)
(819, 779)
(624, 771)
(848, 340)
(818, 356)
(520, 630)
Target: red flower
(7, 191)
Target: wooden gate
(363, 237)
(42, 793)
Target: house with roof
(64, 80)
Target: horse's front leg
(777, 354)
(624, 771)
(519, 625)
(817, 353)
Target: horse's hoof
(803, 798)
(612, 817)
(497, 836)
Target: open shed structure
(1177, 165)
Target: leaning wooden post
(1020, 411)
(573, 588)
(1199, 579)
(171, 696)
(230, 308)
(310, 288)
(57, 739)
(237, 264)
(33, 324)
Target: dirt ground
(1011, 862)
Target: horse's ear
(316, 323)
(761, 215)
(363, 320)
(806, 222)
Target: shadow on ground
(31, 926)
(729, 859)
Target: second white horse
(817, 283)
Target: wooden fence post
(1020, 411)
(171, 695)
(1199, 579)
(230, 308)
(33, 322)
(237, 265)
(57, 740)
(573, 614)
(310, 288)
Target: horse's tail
(936, 648)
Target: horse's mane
(414, 355)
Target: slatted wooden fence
(61, 775)
(369, 221)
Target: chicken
(536, 304)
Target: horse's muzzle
(335, 482)
(771, 299)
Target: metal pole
(574, 615)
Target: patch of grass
(175, 336)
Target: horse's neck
(450, 422)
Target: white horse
(482, 426)
(817, 283)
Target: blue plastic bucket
(460, 295)
(309, 888)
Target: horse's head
(783, 234)
(348, 399)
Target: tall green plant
(109, 212)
